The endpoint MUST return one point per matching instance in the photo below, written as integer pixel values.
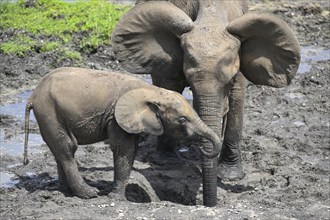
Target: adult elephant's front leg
(230, 167)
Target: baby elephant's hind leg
(68, 170)
(63, 147)
(124, 147)
(64, 186)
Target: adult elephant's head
(206, 43)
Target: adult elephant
(211, 46)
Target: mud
(286, 142)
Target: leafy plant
(18, 45)
(82, 24)
(50, 46)
(72, 55)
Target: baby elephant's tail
(28, 108)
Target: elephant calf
(82, 106)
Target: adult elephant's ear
(270, 52)
(146, 39)
(135, 114)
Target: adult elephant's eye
(182, 120)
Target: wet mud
(285, 146)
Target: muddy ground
(285, 146)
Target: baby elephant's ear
(134, 114)
(270, 52)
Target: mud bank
(285, 147)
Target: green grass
(57, 25)
(50, 46)
(18, 44)
(72, 55)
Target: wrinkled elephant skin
(211, 46)
(76, 106)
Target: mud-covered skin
(230, 161)
(208, 45)
(287, 161)
(79, 106)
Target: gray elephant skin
(211, 46)
(76, 106)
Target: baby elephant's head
(155, 110)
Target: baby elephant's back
(77, 89)
(97, 81)
(69, 80)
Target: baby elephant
(82, 106)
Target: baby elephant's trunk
(28, 108)
(203, 130)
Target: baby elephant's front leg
(124, 148)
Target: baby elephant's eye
(182, 120)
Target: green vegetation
(18, 44)
(54, 25)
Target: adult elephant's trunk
(210, 109)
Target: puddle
(295, 95)
(18, 109)
(299, 123)
(312, 54)
(15, 145)
(6, 180)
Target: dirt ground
(286, 142)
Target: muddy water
(14, 146)
(311, 54)
(6, 179)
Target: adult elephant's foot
(230, 171)
(85, 191)
(230, 162)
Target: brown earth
(286, 143)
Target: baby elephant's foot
(85, 192)
(231, 172)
